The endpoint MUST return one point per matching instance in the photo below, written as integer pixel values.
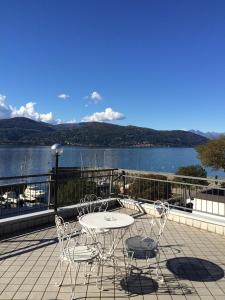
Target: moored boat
(33, 192)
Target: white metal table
(113, 221)
(106, 220)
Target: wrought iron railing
(32, 193)
(24, 194)
(203, 195)
(75, 184)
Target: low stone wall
(210, 223)
(25, 223)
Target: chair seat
(80, 253)
(141, 247)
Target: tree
(212, 154)
(190, 189)
(193, 171)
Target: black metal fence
(32, 193)
(74, 184)
(24, 194)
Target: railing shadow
(194, 269)
(36, 244)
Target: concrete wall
(202, 221)
(27, 222)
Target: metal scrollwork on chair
(73, 251)
(91, 204)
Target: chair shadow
(139, 285)
(194, 269)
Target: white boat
(24, 198)
(32, 191)
(10, 197)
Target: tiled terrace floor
(29, 268)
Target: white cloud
(2, 99)
(71, 121)
(59, 121)
(5, 110)
(94, 97)
(63, 96)
(107, 115)
(27, 110)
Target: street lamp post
(57, 150)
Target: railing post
(110, 182)
(57, 150)
(49, 190)
(123, 182)
(56, 182)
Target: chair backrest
(159, 218)
(91, 203)
(63, 231)
(68, 245)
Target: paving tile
(178, 297)
(7, 295)
(50, 295)
(65, 296)
(39, 287)
(5, 280)
(25, 288)
(35, 295)
(149, 297)
(21, 295)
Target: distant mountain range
(209, 135)
(25, 131)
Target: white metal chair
(146, 246)
(90, 204)
(73, 251)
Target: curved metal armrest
(70, 230)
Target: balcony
(192, 264)
(192, 260)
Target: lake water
(19, 160)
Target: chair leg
(100, 270)
(130, 256)
(86, 274)
(117, 267)
(61, 273)
(158, 278)
(75, 278)
(71, 276)
(93, 266)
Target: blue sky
(152, 63)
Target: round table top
(106, 220)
